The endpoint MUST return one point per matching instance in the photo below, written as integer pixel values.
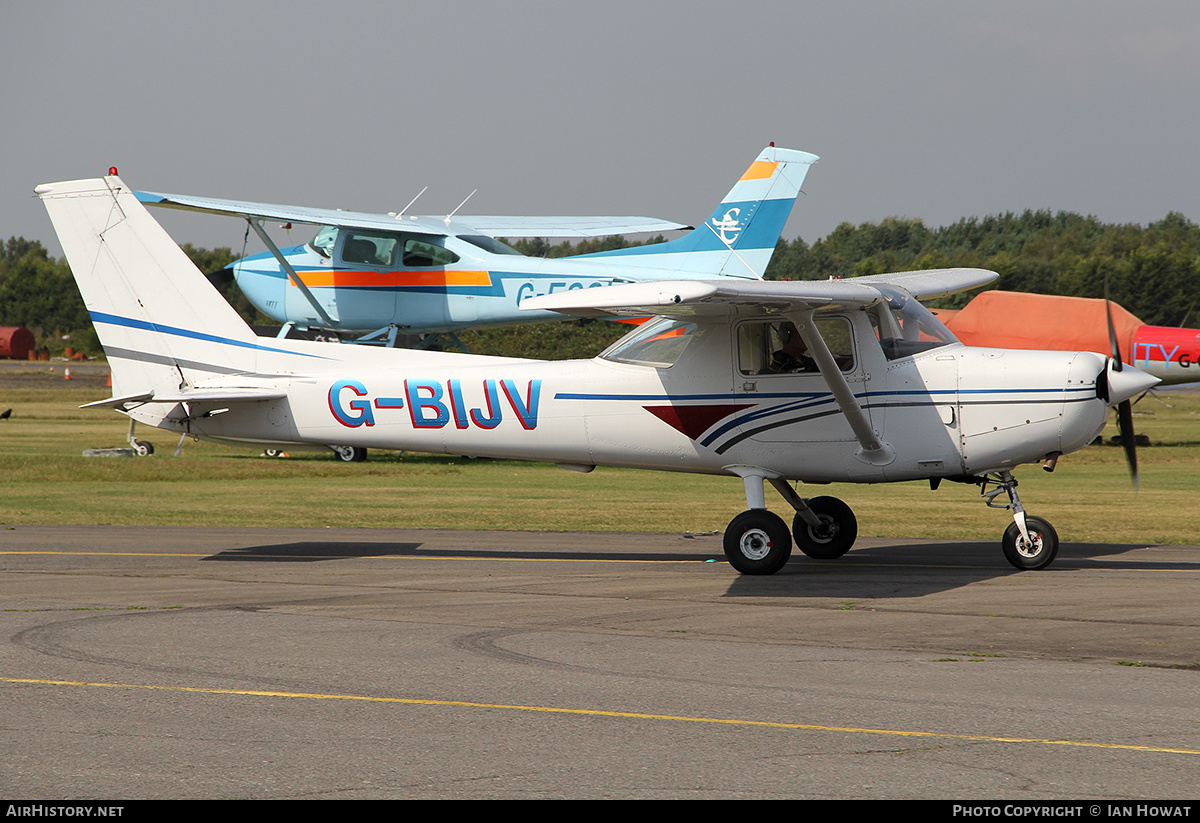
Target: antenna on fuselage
(460, 205)
(400, 213)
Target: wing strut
(874, 450)
(287, 267)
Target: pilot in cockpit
(793, 356)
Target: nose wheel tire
(835, 535)
(350, 454)
(1036, 553)
(757, 542)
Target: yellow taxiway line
(978, 738)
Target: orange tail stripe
(394, 279)
(759, 170)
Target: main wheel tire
(1039, 552)
(757, 542)
(835, 535)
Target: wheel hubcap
(755, 544)
(1031, 547)
(824, 532)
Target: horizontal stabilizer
(119, 402)
(231, 395)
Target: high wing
(795, 300)
(691, 298)
(494, 225)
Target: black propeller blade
(1125, 407)
(1125, 427)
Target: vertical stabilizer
(161, 323)
(738, 238)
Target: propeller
(1120, 390)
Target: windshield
(905, 327)
(323, 243)
(657, 343)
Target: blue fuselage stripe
(134, 323)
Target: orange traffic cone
(67, 375)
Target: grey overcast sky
(927, 109)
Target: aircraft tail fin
(738, 238)
(161, 323)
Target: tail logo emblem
(728, 223)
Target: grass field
(45, 479)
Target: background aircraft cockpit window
(904, 327)
(656, 343)
(369, 249)
(489, 244)
(777, 348)
(323, 243)
(421, 250)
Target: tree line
(1152, 270)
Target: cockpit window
(323, 243)
(364, 249)
(656, 343)
(905, 327)
(489, 244)
(777, 347)
(426, 250)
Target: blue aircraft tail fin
(738, 238)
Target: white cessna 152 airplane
(835, 381)
(381, 273)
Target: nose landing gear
(1029, 543)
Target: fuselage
(1170, 354)
(683, 397)
(455, 282)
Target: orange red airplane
(1017, 320)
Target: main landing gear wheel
(350, 454)
(1036, 553)
(757, 542)
(835, 535)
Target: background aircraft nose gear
(350, 454)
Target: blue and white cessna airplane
(384, 273)
(770, 382)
